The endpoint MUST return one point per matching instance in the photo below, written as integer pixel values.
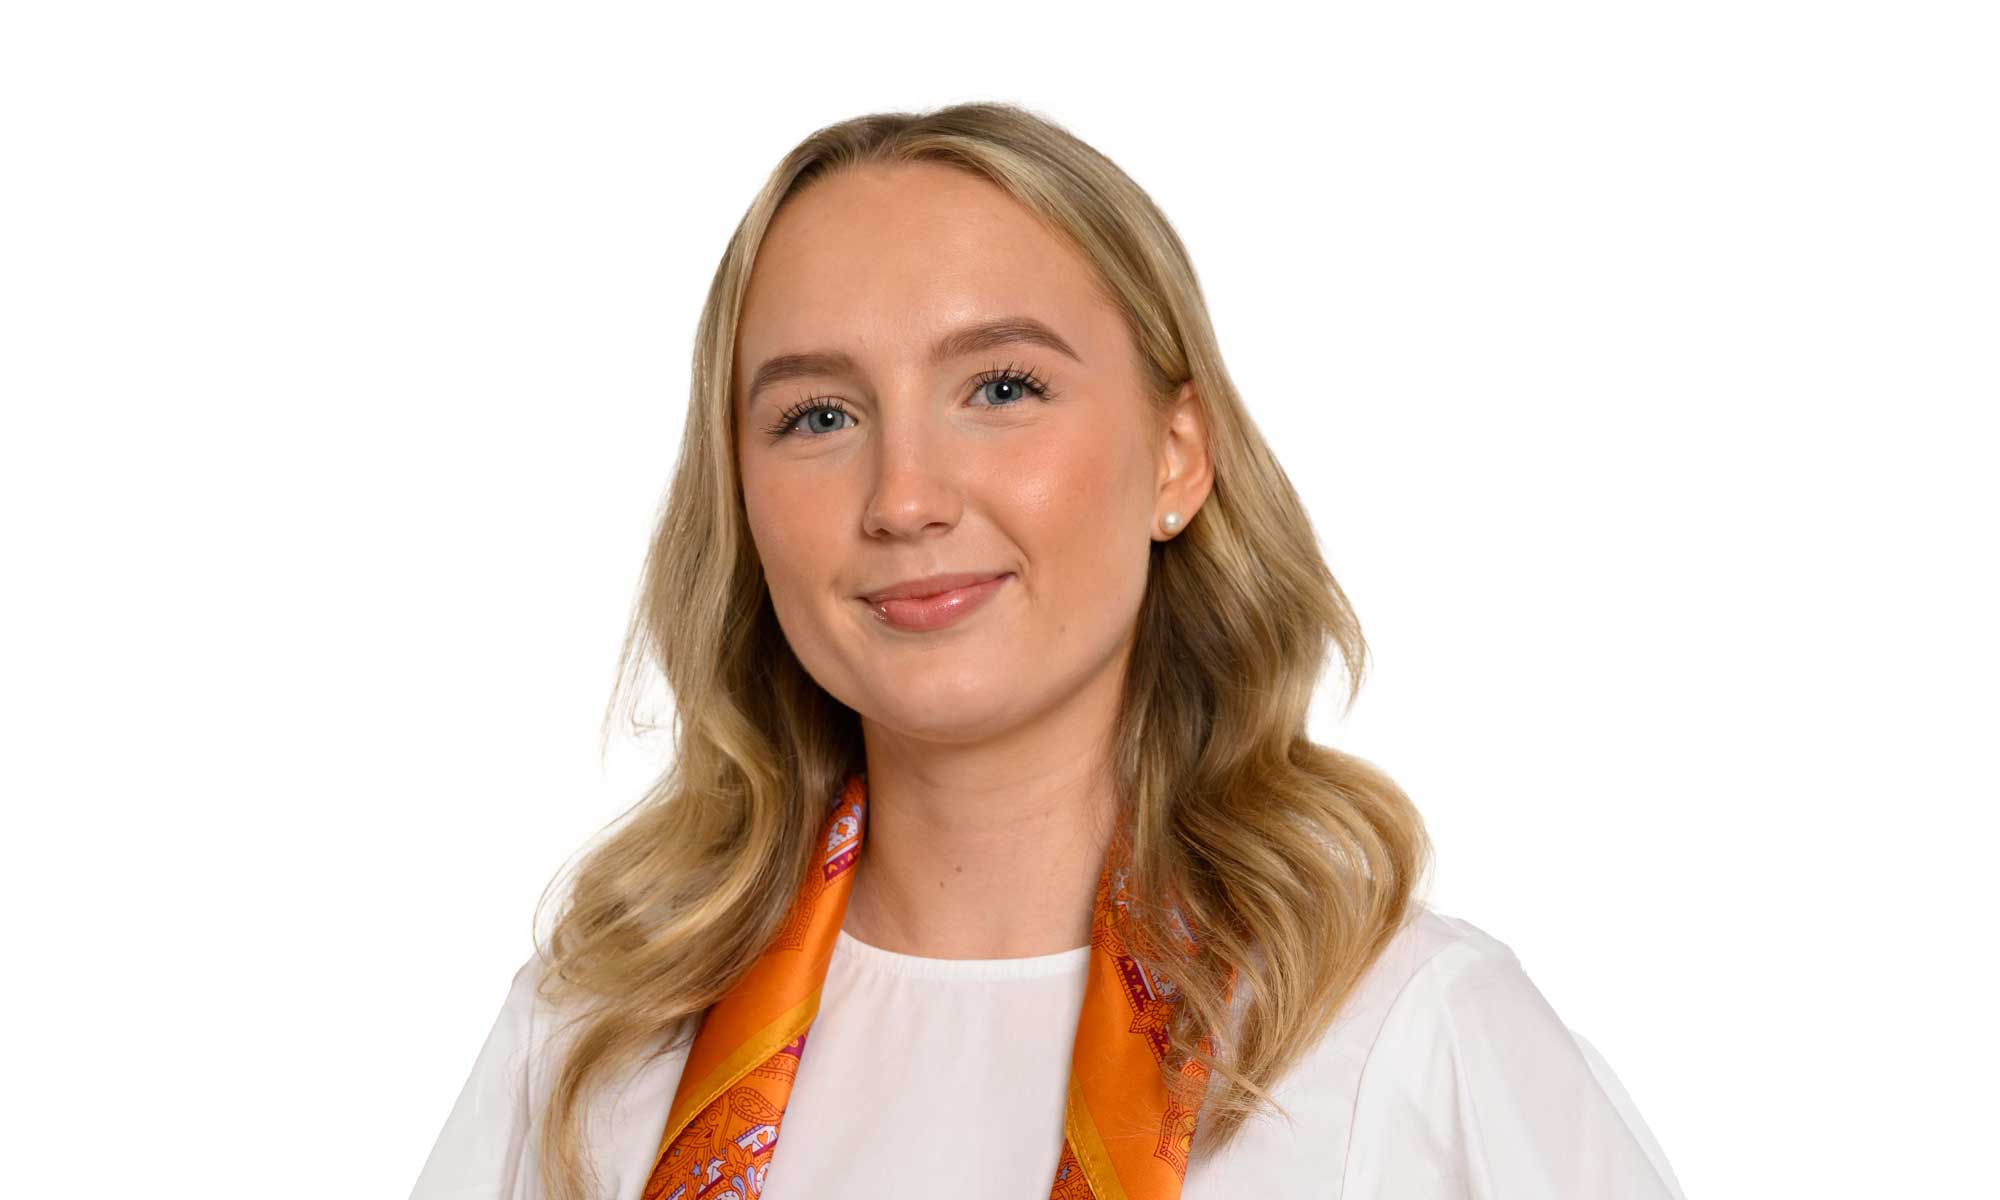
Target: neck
(986, 852)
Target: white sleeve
(1475, 1090)
(480, 1153)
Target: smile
(923, 614)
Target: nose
(915, 487)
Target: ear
(1186, 469)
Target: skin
(989, 800)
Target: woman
(994, 861)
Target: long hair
(1295, 862)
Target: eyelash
(1036, 386)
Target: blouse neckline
(890, 962)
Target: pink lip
(924, 613)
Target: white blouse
(1445, 1075)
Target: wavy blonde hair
(1296, 862)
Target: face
(884, 438)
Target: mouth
(924, 605)
(930, 585)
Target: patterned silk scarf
(1123, 1139)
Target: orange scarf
(1123, 1139)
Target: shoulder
(1432, 959)
(484, 1150)
(1432, 966)
(1442, 992)
(489, 1148)
(1430, 944)
(521, 1029)
(1470, 1077)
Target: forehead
(880, 261)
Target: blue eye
(817, 413)
(1018, 384)
(813, 413)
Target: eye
(814, 413)
(1010, 386)
(820, 415)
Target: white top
(1446, 1075)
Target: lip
(921, 605)
(929, 585)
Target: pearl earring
(1172, 521)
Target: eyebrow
(983, 335)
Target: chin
(940, 712)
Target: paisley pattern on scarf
(1123, 1138)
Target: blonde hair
(1297, 863)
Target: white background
(1638, 364)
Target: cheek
(781, 523)
(797, 566)
(1081, 503)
